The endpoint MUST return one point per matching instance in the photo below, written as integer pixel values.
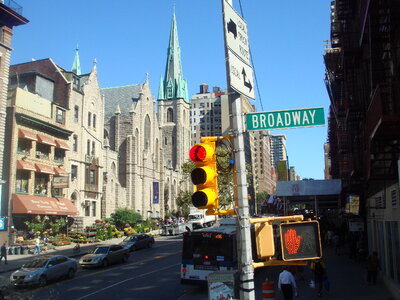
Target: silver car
(104, 255)
(41, 269)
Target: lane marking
(126, 280)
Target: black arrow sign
(232, 28)
(246, 83)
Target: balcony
(14, 6)
(93, 160)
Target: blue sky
(129, 38)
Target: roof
(123, 96)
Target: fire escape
(362, 81)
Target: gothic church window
(170, 115)
(147, 137)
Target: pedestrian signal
(204, 176)
(300, 240)
(265, 243)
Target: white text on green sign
(293, 118)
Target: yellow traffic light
(300, 240)
(264, 240)
(204, 176)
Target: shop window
(57, 192)
(24, 146)
(41, 181)
(21, 182)
(42, 151)
(59, 154)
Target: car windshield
(36, 263)
(100, 250)
(130, 238)
(195, 217)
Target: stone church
(151, 137)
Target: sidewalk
(15, 261)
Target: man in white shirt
(37, 245)
(287, 284)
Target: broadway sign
(293, 118)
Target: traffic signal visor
(264, 240)
(300, 240)
(204, 176)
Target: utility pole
(246, 284)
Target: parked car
(44, 268)
(138, 241)
(104, 255)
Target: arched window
(170, 115)
(147, 132)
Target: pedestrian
(287, 284)
(45, 242)
(319, 270)
(3, 252)
(37, 245)
(373, 265)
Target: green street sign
(293, 118)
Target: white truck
(199, 219)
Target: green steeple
(76, 66)
(173, 86)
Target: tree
(184, 201)
(124, 216)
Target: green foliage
(184, 201)
(225, 177)
(124, 216)
(41, 224)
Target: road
(152, 273)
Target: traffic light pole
(246, 284)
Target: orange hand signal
(292, 241)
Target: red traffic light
(201, 152)
(300, 240)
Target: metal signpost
(240, 79)
(293, 118)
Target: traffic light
(300, 240)
(204, 176)
(265, 244)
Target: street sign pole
(246, 284)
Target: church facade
(151, 137)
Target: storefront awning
(60, 172)
(29, 204)
(44, 169)
(25, 165)
(62, 144)
(26, 134)
(45, 140)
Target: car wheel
(105, 263)
(71, 273)
(125, 258)
(42, 280)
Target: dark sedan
(138, 241)
(43, 268)
(104, 255)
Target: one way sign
(241, 76)
(236, 33)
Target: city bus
(208, 250)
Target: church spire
(174, 85)
(76, 66)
